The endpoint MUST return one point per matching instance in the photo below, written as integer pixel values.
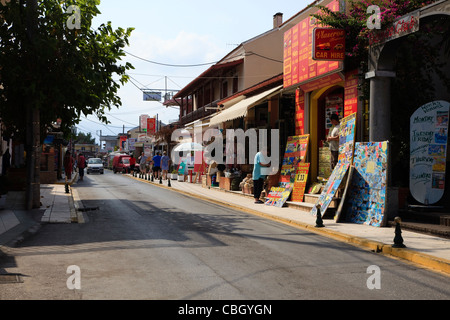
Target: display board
(331, 187)
(346, 148)
(366, 199)
(296, 150)
(300, 182)
(347, 138)
(428, 151)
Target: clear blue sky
(178, 32)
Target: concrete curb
(420, 259)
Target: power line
(171, 65)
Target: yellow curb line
(436, 264)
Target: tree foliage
(64, 72)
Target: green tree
(50, 70)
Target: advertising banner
(428, 151)
(300, 182)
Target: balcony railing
(199, 113)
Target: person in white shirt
(333, 139)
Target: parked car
(121, 163)
(94, 165)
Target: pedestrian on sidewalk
(156, 165)
(258, 177)
(142, 163)
(81, 165)
(68, 165)
(165, 163)
(333, 140)
(132, 163)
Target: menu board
(366, 199)
(300, 182)
(428, 151)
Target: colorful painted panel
(347, 138)
(331, 187)
(366, 199)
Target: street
(140, 241)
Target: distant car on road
(95, 165)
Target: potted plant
(174, 174)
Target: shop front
(322, 88)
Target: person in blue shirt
(258, 176)
(156, 165)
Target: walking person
(68, 165)
(258, 177)
(142, 163)
(333, 140)
(156, 165)
(81, 166)
(132, 163)
(165, 163)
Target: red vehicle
(121, 163)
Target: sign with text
(401, 27)
(428, 151)
(299, 67)
(328, 44)
(300, 182)
(151, 125)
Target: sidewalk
(424, 250)
(57, 207)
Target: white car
(95, 165)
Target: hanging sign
(328, 44)
(428, 151)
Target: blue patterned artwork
(366, 199)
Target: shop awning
(240, 109)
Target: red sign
(328, 44)
(351, 93)
(299, 112)
(299, 67)
(151, 125)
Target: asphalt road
(146, 242)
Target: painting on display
(347, 138)
(296, 149)
(346, 148)
(366, 199)
(331, 187)
(428, 151)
